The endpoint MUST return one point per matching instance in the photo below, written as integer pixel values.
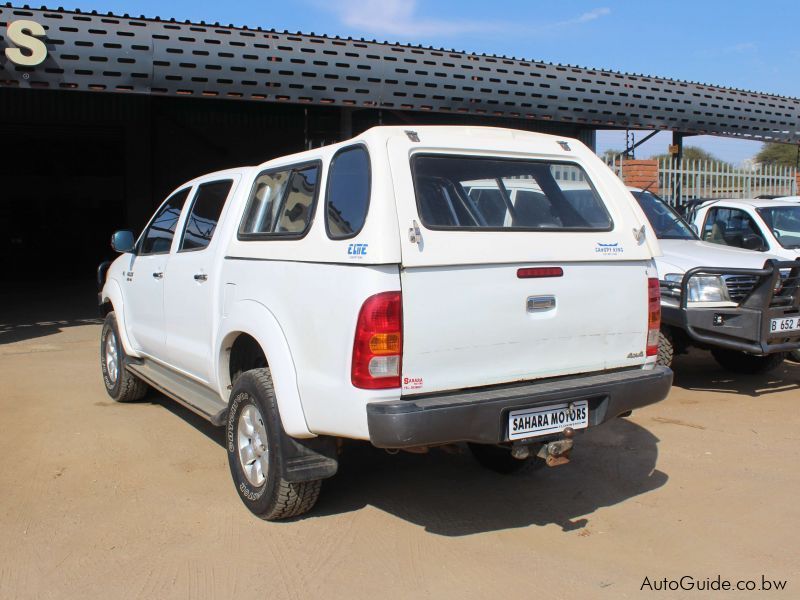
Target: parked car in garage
(358, 291)
(728, 299)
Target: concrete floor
(105, 500)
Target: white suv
(741, 304)
(361, 291)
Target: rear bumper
(745, 327)
(481, 416)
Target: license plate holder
(784, 325)
(547, 420)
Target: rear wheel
(666, 348)
(255, 452)
(499, 459)
(120, 383)
(741, 362)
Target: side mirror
(753, 242)
(123, 241)
(693, 227)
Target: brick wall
(641, 174)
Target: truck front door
(143, 285)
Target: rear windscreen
(490, 193)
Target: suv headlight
(703, 288)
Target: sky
(739, 44)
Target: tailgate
(479, 325)
(513, 269)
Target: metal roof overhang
(120, 54)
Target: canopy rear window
(460, 192)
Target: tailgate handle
(537, 303)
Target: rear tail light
(378, 343)
(653, 316)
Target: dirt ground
(135, 501)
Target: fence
(679, 181)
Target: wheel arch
(111, 299)
(253, 320)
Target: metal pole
(676, 150)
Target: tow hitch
(554, 453)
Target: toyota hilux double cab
(740, 304)
(360, 291)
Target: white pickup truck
(741, 304)
(361, 291)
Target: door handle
(158, 274)
(201, 277)
(537, 303)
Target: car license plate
(778, 325)
(546, 420)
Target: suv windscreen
(459, 192)
(784, 222)
(667, 224)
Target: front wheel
(121, 384)
(255, 452)
(741, 362)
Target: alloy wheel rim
(252, 445)
(111, 357)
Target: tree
(773, 153)
(692, 153)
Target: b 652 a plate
(788, 324)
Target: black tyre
(741, 362)
(666, 348)
(255, 453)
(794, 356)
(120, 383)
(499, 459)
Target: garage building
(102, 115)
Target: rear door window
(456, 192)
(281, 203)
(204, 216)
(157, 238)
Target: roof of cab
(219, 175)
(754, 202)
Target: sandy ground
(135, 501)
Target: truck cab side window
(204, 216)
(733, 227)
(347, 197)
(281, 203)
(157, 238)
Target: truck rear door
(501, 286)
